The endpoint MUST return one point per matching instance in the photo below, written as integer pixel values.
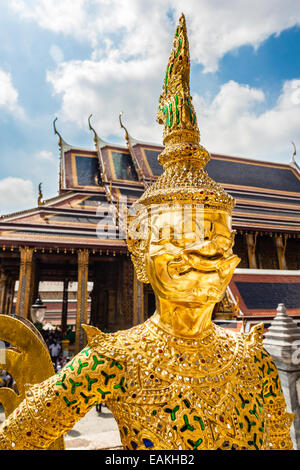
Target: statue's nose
(201, 255)
(202, 248)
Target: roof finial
(40, 198)
(92, 129)
(98, 141)
(60, 141)
(294, 153)
(122, 125)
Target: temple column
(281, 247)
(251, 247)
(26, 283)
(11, 296)
(64, 311)
(82, 298)
(3, 292)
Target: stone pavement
(93, 432)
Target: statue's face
(190, 259)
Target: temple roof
(260, 291)
(267, 194)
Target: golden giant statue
(177, 381)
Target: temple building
(78, 237)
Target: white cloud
(56, 53)
(233, 122)
(137, 27)
(16, 194)
(105, 88)
(131, 42)
(9, 95)
(45, 155)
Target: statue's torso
(186, 394)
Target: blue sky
(73, 58)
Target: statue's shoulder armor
(254, 339)
(108, 344)
(253, 342)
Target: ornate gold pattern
(220, 391)
(28, 361)
(176, 381)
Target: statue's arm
(52, 407)
(277, 420)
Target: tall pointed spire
(176, 111)
(184, 178)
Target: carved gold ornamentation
(214, 391)
(177, 381)
(28, 361)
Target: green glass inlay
(87, 398)
(90, 382)
(196, 444)
(264, 384)
(186, 426)
(96, 362)
(259, 405)
(103, 394)
(172, 412)
(120, 385)
(62, 382)
(85, 364)
(68, 402)
(167, 114)
(166, 79)
(179, 47)
(115, 363)
(171, 115)
(250, 423)
(253, 411)
(86, 351)
(107, 377)
(197, 418)
(177, 111)
(270, 393)
(244, 402)
(253, 443)
(71, 365)
(190, 108)
(74, 385)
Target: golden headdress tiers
(183, 158)
(184, 180)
